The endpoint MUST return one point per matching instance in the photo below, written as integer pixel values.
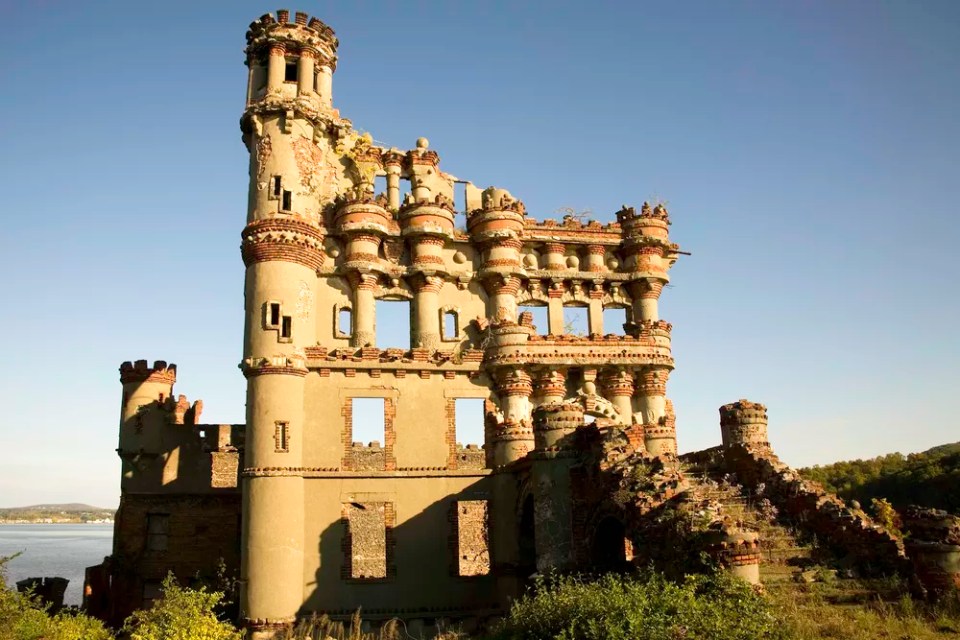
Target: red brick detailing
(596, 249)
(389, 434)
(468, 542)
(652, 381)
(450, 411)
(282, 239)
(616, 383)
(264, 370)
(449, 375)
(346, 434)
(369, 542)
(551, 383)
(650, 289)
(514, 382)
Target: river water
(63, 550)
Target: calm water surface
(63, 550)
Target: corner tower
(290, 129)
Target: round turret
(553, 424)
(290, 59)
(145, 390)
(742, 423)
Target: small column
(393, 163)
(551, 386)
(737, 551)
(426, 333)
(553, 256)
(659, 435)
(325, 86)
(646, 294)
(364, 309)
(502, 301)
(617, 387)
(275, 67)
(595, 254)
(514, 388)
(595, 308)
(555, 308)
(305, 71)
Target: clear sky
(809, 153)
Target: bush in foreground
(643, 607)
(181, 614)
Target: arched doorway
(608, 552)
(527, 540)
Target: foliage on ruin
(24, 617)
(181, 614)
(642, 607)
(928, 479)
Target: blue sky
(807, 151)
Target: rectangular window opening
(158, 531)
(460, 196)
(276, 186)
(393, 324)
(274, 314)
(287, 203)
(575, 321)
(613, 320)
(540, 320)
(405, 189)
(345, 321)
(369, 423)
(451, 328)
(286, 328)
(281, 437)
(379, 185)
(316, 82)
(290, 72)
(468, 418)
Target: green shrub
(181, 614)
(643, 607)
(24, 617)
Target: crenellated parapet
(140, 371)
(743, 423)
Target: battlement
(743, 412)
(304, 32)
(629, 214)
(140, 371)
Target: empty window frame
(468, 421)
(450, 324)
(281, 437)
(380, 185)
(158, 531)
(576, 321)
(276, 188)
(393, 323)
(286, 203)
(272, 315)
(344, 322)
(290, 71)
(368, 420)
(540, 317)
(286, 329)
(614, 319)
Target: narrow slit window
(281, 437)
(613, 320)
(287, 203)
(276, 186)
(468, 418)
(451, 328)
(379, 185)
(290, 72)
(575, 321)
(286, 328)
(274, 320)
(316, 83)
(345, 321)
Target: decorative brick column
(426, 301)
(738, 552)
(617, 386)
(550, 386)
(659, 428)
(364, 309)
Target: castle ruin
(417, 524)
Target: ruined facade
(417, 524)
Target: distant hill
(71, 512)
(929, 479)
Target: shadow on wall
(426, 568)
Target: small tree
(181, 614)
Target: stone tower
(289, 129)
